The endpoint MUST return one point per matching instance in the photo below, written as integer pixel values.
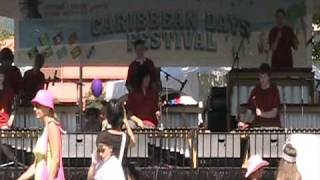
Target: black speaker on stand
(217, 109)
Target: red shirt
(282, 55)
(32, 82)
(265, 100)
(144, 106)
(134, 66)
(11, 88)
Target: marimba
(20, 139)
(171, 145)
(296, 86)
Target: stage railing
(189, 148)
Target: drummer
(263, 105)
(142, 102)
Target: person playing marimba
(263, 104)
(142, 102)
(10, 86)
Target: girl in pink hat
(255, 167)
(48, 158)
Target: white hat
(254, 163)
(287, 157)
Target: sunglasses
(101, 150)
(36, 106)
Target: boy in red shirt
(264, 103)
(141, 60)
(10, 85)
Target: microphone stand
(182, 83)
(284, 108)
(235, 65)
(52, 80)
(302, 101)
(167, 76)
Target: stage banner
(177, 32)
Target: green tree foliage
(316, 42)
(6, 28)
(4, 34)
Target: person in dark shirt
(142, 102)
(281, 41)
(33, 80)
(10, 82)
(263, 104)
(141, 60)
(30, 9)
(10, 86)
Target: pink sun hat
(255, 162)
(44, 98)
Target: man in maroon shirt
(141, 60)
(10, 85)
(142, 102)
(33, 80)
(281, 41)
(264, 103)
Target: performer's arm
(245, 119)
(246, 115)
(129, 130)
(29, 173)
(129, 77)
(92, 168)
(137, 120)
(11, 118)
(91, 172)
(267, 114)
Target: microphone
(183, 84)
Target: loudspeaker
(217, 109)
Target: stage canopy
(177, 32)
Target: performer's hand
(140, 124)
(158, 114)
(94, 159)
(258, 112)
(242, 125)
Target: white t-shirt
(110, 169)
